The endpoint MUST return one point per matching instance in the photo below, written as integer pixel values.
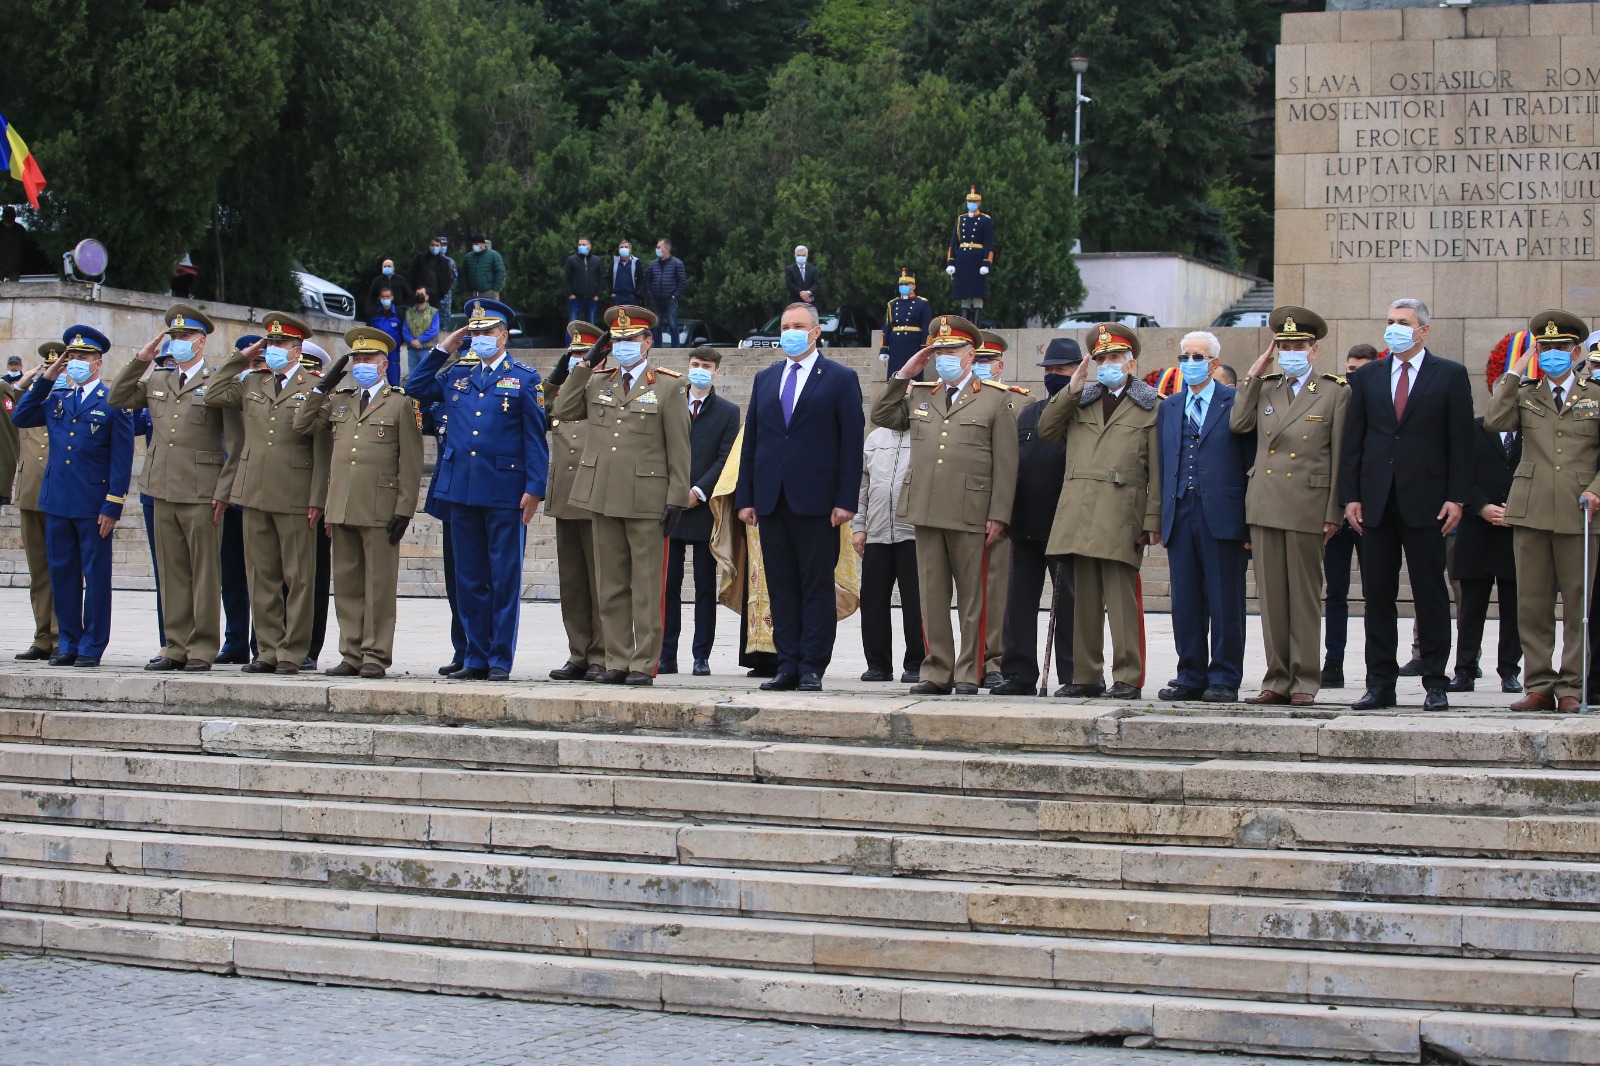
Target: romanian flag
(15, 157)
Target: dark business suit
(798, 279)
(794, 474)
(1484, 554)
(1402, 472)
(711, 436)
(1203, 484)
(1041, 471)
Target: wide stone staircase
(1383, 887)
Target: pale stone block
(355, 822)
(548, 978)
(1309, 28)
(1289, 284)
(1572, 936)
(1046, 729)
(449, 701)
(1451, 984)
(466, 747)
(1525, 287)
(1433, 23)
(1512, 1041)
(1561, 20)
(775, 717)
(150, 945)
(191, 813)
(1528, 58)
(1184, 968)
(812, 849)
(33, 889)
(1054, 1015)
(1375, 830)
(1510, 21)
(582, 705)
(1369, 25)
(1360, 786)
(916, 953)
(338, 961)
(1574, 742)
(790, 997)
(1287, 1028)
(659, 755)
(48, 803)
(1586, 992)
(261, 860)
(552, 834)
(1159, 734)
(1414, 279)
(21, 931)
(165, 771)
(1087, 864)
(1335, 70)
(483, 923)
(1338, 924)
(1515, 791)
(28, 762)
(1342, 290)
(1289, 184)
(319, 780)
(281, 908)
(1461, 53)
(893, 900)
(1580, 288)
(1090, 912)
(20, 725)
(1577, 838)
(1073, 776)
(860, 766)
(1430, 740)
(1140, 822)
(927, 812)
(702, 938)
(1460, 289)
(213, 692)
(1393, 63)
(253, 736)
(1290, 71)
(731, 798)
(163, 731)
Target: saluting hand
(335, 374)
(148, 352)
(1259, 367)
(916, 363)
(452, 343)
(598, 353)
(55, 368)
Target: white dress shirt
(807, 365)
(1394, 371)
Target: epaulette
(524, 366)
(925, 384)
(1002, 385)
(389, 390)
(468, 359)
(1335, 378)
(1525, 382)
(669, 373)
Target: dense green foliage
(256, 133)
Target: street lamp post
(1080, 64)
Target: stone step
(1383, 1033)
(1272, 975)
(1443, 929)
(815, 849)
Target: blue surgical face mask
(583, 249)
(799, 260)
(1111, 375)
(485, 347)
(1399, 338)
(1555, 362)
(661, 253)
(277, 359)
(982, 371)
(387, 303)
(700, 377)
(1194, 371)
(435, 249)
(574, 362)
(627, 353)
(63, 383)
(905, 290)
(366, 374)
(795, 342)
(948, 367)
(624, 251)
(1054, 383)
(388, 271)
(181, 350)
(78, 370)
(972, 208)
(1295, 364)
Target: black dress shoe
(196, 666)
(161, 662)
(636, 678)
(450, 667)
(878, 675)
(63, 660)
(1510, 684)
(1412, 669)
(762, 671)
(928, 688)
(32, 654)
(1176, 691)
(570, 672)
(470, 673)
(810, 682)
(1081, 692)
(232, 658)
(702, 668)
(783, 681)
(1218, 694)
(594, 673)
(667, 666)
(613, 677)
(1123, 691)
(1013, 686)
(1477, 671)
(1332, 674)
(965, 688)
(990, 680)
(83, 662)
(497, 674)
(911, 677)
(1462, 682)
(1375, 699)
(1436, 700)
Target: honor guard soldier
(580, 595)
(190, 464)
(971, 255)
(1110, 508)
(957, 493)
(1558, 416)
(33, 449)
(492, 472)
(634, 480)
(85, 485)
(1292, 504)
(989, 364)
(282, 485)
(905, 324)
(373, 481)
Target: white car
(321, 297)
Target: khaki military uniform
(998, 584)
(282, 476)
(192, 459)
(1560, 453)
(635, 462)
(27, 464)
(1110, 495)
(1293, 491)
(575, 562)
(375, 474)
(963, 475)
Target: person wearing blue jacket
(492, 472)
(85, 486)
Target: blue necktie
(1194, 416)
(788, 392)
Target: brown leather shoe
(965, 688)
(258, 666)
(341, 669)
(1123, 691)
(928, 688)
(1535, 701)
(1267, 696)
(1302, 699)
(287, 667)
(195, 666)
(594, 673)
(161, 662)
(1567, 705)
(636, 677)
(372, 671)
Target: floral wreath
(1166, 382)
(1505, 355)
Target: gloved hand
(983, 270)
(598, 353)
(670, 516)
(396, 528)
(335, 374)
(951, 270)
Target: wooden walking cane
(1050, 628)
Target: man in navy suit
(1203, 484)
(1404, 476)
(799, 479)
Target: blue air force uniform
(905, 326)
(971, 253)
(86, 476)
(435, 424)
(495, 453)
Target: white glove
(951, 270)
(983, 270)
(883, 357)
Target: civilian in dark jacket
(1041, 471)
(388, 278)
(622, 275)
(713, 428)
(585, 276)
(1484, 557)
(800, 277)
(664, 282)
(431, 270)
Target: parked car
(1088, 319)
(1242, 318)
(322, 297)
(846, 327)
(694, 332)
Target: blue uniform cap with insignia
(85, 339)
(245, 341)
(486, 314)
